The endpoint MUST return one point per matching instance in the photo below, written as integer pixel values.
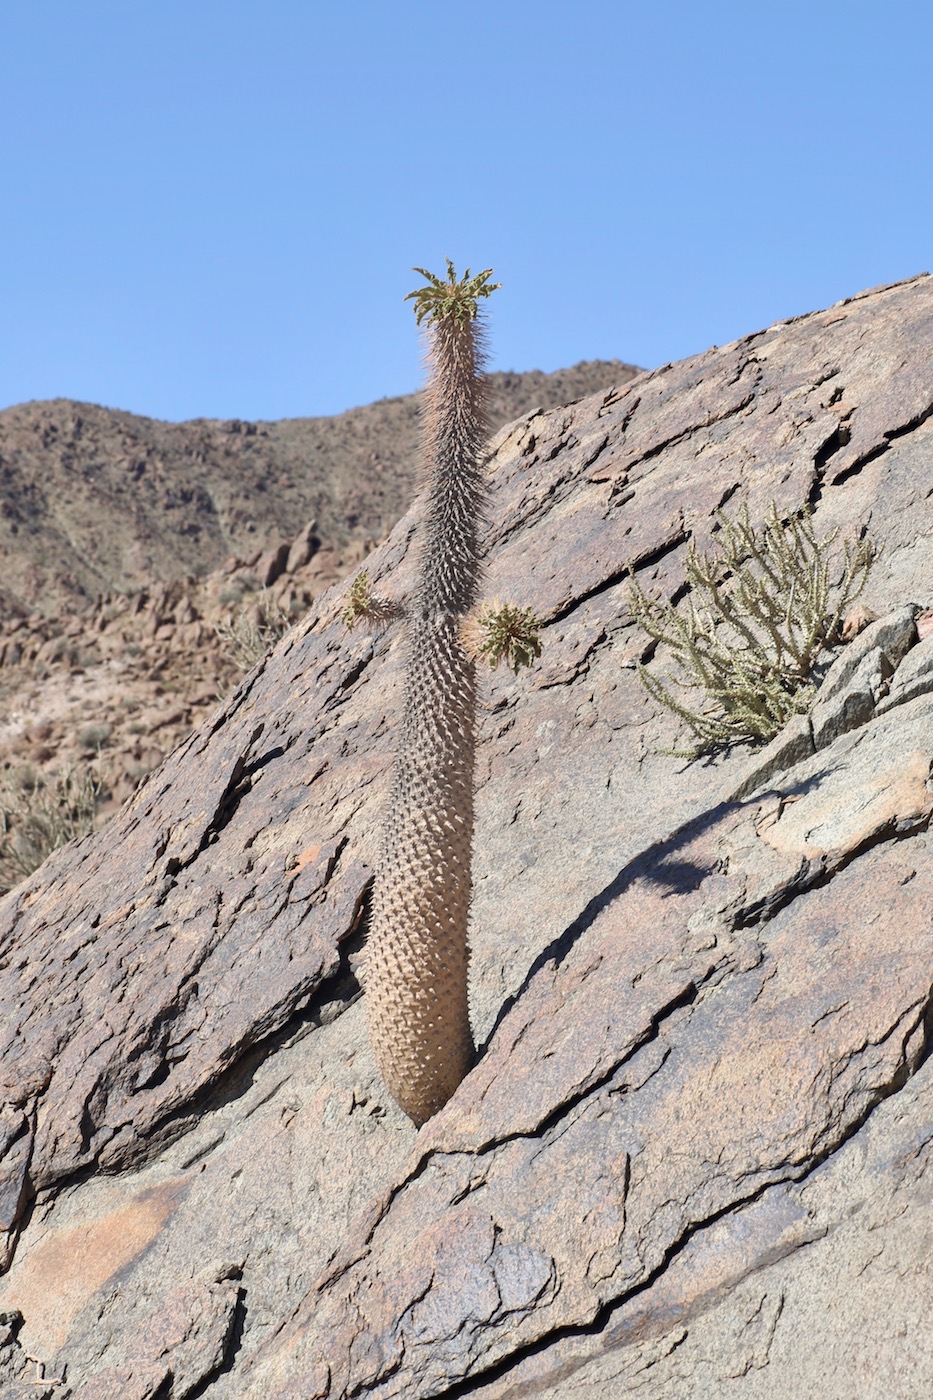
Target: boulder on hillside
(694, 1157)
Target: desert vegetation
(254, 629)
(41, 811)
(417, 963)
(762, 608)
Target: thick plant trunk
(417, 959)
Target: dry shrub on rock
(762, 607)
(254, 630)
(40, 812)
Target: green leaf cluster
(762, 607)
(372, 609)
(506, 632)
(454, 300)
(359, 601)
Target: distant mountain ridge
(96, 500)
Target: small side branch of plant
(761, 609)
(369, 609)
(502, 632)
(493, 633)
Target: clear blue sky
(210, 207)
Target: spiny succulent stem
(417, 951)
(368, 608)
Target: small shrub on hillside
(93, 737)
(253, 630)
(65, 649)
(238, 586)
(762, 607)
(40, 812)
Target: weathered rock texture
(694, 1158)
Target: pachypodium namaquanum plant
(415, 974)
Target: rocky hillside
(695, 1156)
(101, 696)
(93, 500)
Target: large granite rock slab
(692, 1158)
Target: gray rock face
(693, 1156)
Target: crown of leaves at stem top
(453, 300)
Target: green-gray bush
(253, 630)
(762, 607)
(94, 736)
(39, 813)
